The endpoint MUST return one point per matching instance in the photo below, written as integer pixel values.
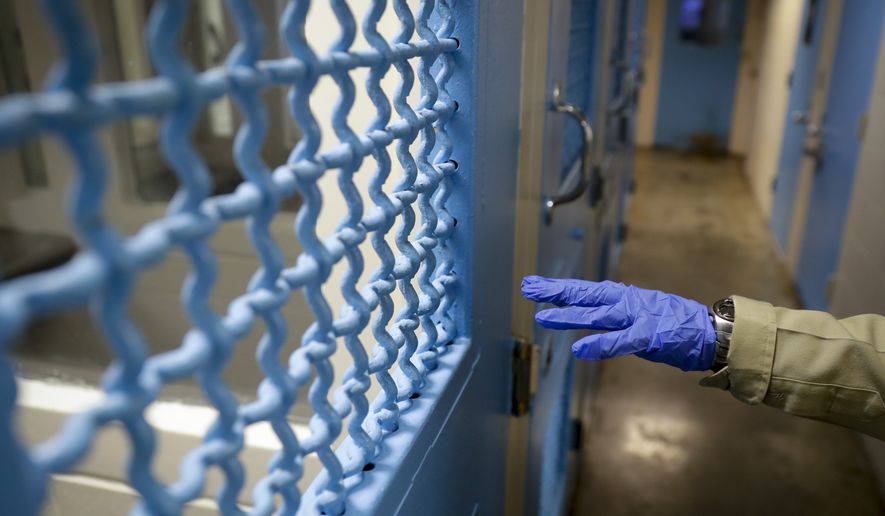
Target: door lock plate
(524, 376)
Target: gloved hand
(650, 324)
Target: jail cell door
(617, 151)
(838, 149)
(363, 410)
(561, 195)
(799, 157)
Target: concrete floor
(663, 445)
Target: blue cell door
(619, 145)
(799, 123)
(857, 50)
(573, 194)
(400, 366)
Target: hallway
(660, 443)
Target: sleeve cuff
(719, 379)
(751, 354)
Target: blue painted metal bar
(104, 274)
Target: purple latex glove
(650, 324)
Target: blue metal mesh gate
(105, 273)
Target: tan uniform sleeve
(808, 363)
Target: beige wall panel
(654, 52)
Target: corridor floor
(663, 445)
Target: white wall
(860, 278)
(654, 52)
(781, 33)
(748, 77)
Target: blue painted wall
(698, 83)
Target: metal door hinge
(524, 376)
(577, 434)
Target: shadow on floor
(663, 445)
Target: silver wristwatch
(722, 314)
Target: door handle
(578, 189)
(625, 100)
(812, 131)
(815, 152)
(800, 117)
(804, 118)
(813, 147)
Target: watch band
(722, 314)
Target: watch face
(724, 308)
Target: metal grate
(104, 274)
